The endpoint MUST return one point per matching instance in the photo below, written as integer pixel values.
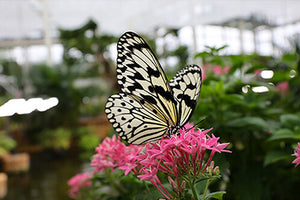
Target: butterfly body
(149, 107)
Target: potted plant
(12, 162)
(6, 144)
(3, 185)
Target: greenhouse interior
(140, 99)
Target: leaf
(233, 98)
(275, 156)
(248, 121)
(283, 134)
(274, 111)
(290, 120)
(214, 195)
(201, 54)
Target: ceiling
(23, 19)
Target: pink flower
(179, 155)
(297, 154)
(226, 69)
(218, 70)
(77, 182)
(204, 72)
(257, 72)
(112, 153)
(282, 87)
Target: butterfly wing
(134, 123)
(140, 74)
(186, 87)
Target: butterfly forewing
(140, 74)
(186, 87)
(134, 123)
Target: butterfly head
(173, 130)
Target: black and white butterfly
(149, 107)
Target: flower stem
(147, 188)
(192, 185)
(206, 187)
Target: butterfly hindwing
(140, 74)
(186, 87)
(133, 122)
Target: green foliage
(214, 195)
(88, 142)
(81, 83)
(113, 185)
(83, 45)
(211, 55)
(57, 139)
(53, 82)
(11, 69)
(263, 128)
(6, 143)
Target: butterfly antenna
(195, 125)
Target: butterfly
(149, 107)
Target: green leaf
(290, 120)
(233, 98)
(275, 156)
(283, 134)
(274, 111)
(214, 195)
(248, 121)
(201, 54)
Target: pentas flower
(282, 87)
(297, 154)
(257, 72)
(112, 153)
(218, 70)
(180, 155)
(77, 182)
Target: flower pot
(14, 163)
(3, 185)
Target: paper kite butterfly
(149, 107)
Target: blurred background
(57, 69)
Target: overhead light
(11, 107)
(28, 106)
(260, 89)
(22, 106)
(47, 104)
(267, 74)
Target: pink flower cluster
(179, 155)
(218, 70)
(297, 154)
(112, 153)
(77, 182)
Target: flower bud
(210, 168)
(173, 184)
(182, 186)
(216, 170)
